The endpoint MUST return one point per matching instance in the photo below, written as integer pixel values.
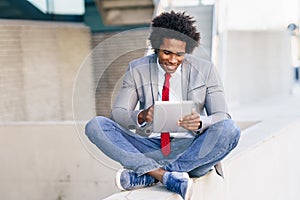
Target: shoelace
(142, 180)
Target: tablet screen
(167, 113)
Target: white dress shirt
(175, 94)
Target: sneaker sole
(189, 189)
(118, 178)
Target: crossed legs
(142, 155)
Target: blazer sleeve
(215, 103)
(123, 110)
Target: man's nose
(173, 58)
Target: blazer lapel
(185, 74)
(153, 68)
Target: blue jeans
(141, 154)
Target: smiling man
(169, 74)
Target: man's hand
(146, 115)
(190, 122)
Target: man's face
(171, 54)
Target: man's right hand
(146, 115)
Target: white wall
(253, 48)
(256, 66)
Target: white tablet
(167, 113)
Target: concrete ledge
(54, 161)
(261, 167)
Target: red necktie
(165, 136)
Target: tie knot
(167, 76)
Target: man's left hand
(190, 122)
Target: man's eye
(180, 54)
(166, 52)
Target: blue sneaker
(129, 180)
(179, 182)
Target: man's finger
(193, 111)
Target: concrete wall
(49, 161)
(255, 65)
(39, 62)
(111, 55)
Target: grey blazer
(200, 83)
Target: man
(168, 74)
